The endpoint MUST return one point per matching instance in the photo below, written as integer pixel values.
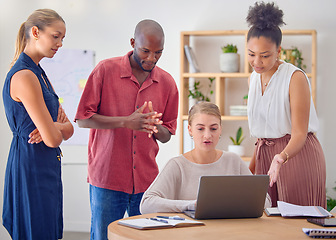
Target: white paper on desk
(292, 210)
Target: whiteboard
(68, 72)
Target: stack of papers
(292, 210)
(238, 110)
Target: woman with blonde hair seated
(175, 188)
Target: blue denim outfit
(108, 206)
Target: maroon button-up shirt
(122, 159)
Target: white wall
(106, 26)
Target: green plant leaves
(239, 137)
(196, 91)
(297, 54)
(230, 48)
(234, 141)
(331, 203)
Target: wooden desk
(270, 228)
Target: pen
(159, 220)
(173, 218)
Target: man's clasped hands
(146, 122)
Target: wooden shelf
(218, 75)
(246, 159)
(222, 75)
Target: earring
(191, 137)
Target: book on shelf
(158, 222)
(320, 232)
(292, 210)
(191, 59)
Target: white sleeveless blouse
(269, 115)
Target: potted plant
(245, 99)
(294, 56)
(229, 59)
(196, 93)
(236, 146)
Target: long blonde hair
(39, 18)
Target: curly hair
(265, 20)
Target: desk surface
(270, 228)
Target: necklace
(278, 64)
(265, 84)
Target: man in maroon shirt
(128, 103)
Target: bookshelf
(220, 87)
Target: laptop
(238, 196)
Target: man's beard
(138, 61)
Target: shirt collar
(30, 62)
(126, 70)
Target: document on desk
(292, 210)
(157, 222)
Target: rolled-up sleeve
(91, 96)
(169, 117)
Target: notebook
(238, 196)
(157, 222)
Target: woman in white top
(175, 188)
(282, 116)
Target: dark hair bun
(264, 15)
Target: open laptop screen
(231, 196)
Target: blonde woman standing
(32, 206)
